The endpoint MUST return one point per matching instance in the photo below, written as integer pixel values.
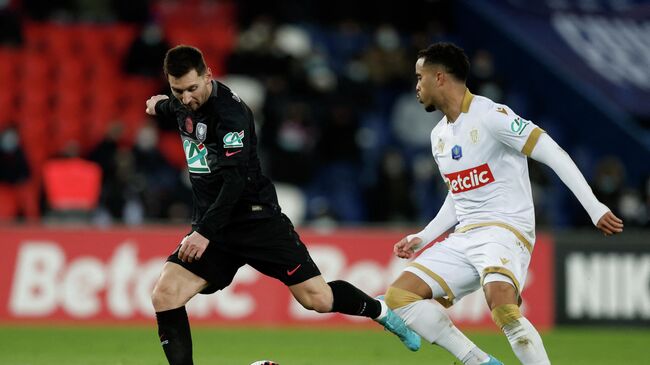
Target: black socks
(175, 337)
(348, 299)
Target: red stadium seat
(9, 65)
(72, 184)
(67, 127)
(60, 40)
(119, 39)
(93, 41)
(35, 34)
(29, 198)
(17, 199)
(36, 101)
(35, 68)
(8, 202)
(8, 108)
(34, 138)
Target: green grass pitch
(32, 345)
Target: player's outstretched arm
(151, 103)
(445, 219)
(551, 154)
(610, 224)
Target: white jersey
(482, 156)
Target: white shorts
(460, 263)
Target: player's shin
(429, 320)
(523, 337)
(175, 336)
(348, 299)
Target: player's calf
(395, 324)
(523, 337)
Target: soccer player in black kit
(236, 218)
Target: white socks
(526, 342)
(429, 319)
(384, 310)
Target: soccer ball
(265, 362)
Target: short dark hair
(182, 59)
(449, 55)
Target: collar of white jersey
(467, 101)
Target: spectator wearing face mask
(14, 168)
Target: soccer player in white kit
(481, 148)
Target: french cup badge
(201, 131)
(456, 152)
(189, 125)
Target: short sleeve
(511, 129)
(233, 133)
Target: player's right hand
(405, 249)
(610, 224)
(151, 103)
(192, 247)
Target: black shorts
(269, 245)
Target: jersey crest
(201, 131)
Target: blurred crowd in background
(333, 93)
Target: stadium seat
(9, 63)
(7, 108)
(29, 196)
(9, 199)
(67, 127)
(59, 40)
(72, 184)
(119, 39)
(36, 101)
(93, 41)
(35, 68)
(34, 37)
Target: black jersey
(221, 150)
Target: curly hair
(452, 57)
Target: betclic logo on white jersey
(470, 179)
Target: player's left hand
(192, 247)
(610, 224)
(151, 103)
(405, 249)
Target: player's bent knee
(505, 314)
(165, 297)
(500, 289)
(397, 297)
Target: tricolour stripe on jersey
(510, 228)
(531, 142)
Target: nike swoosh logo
(228, 153)
(291, 272)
